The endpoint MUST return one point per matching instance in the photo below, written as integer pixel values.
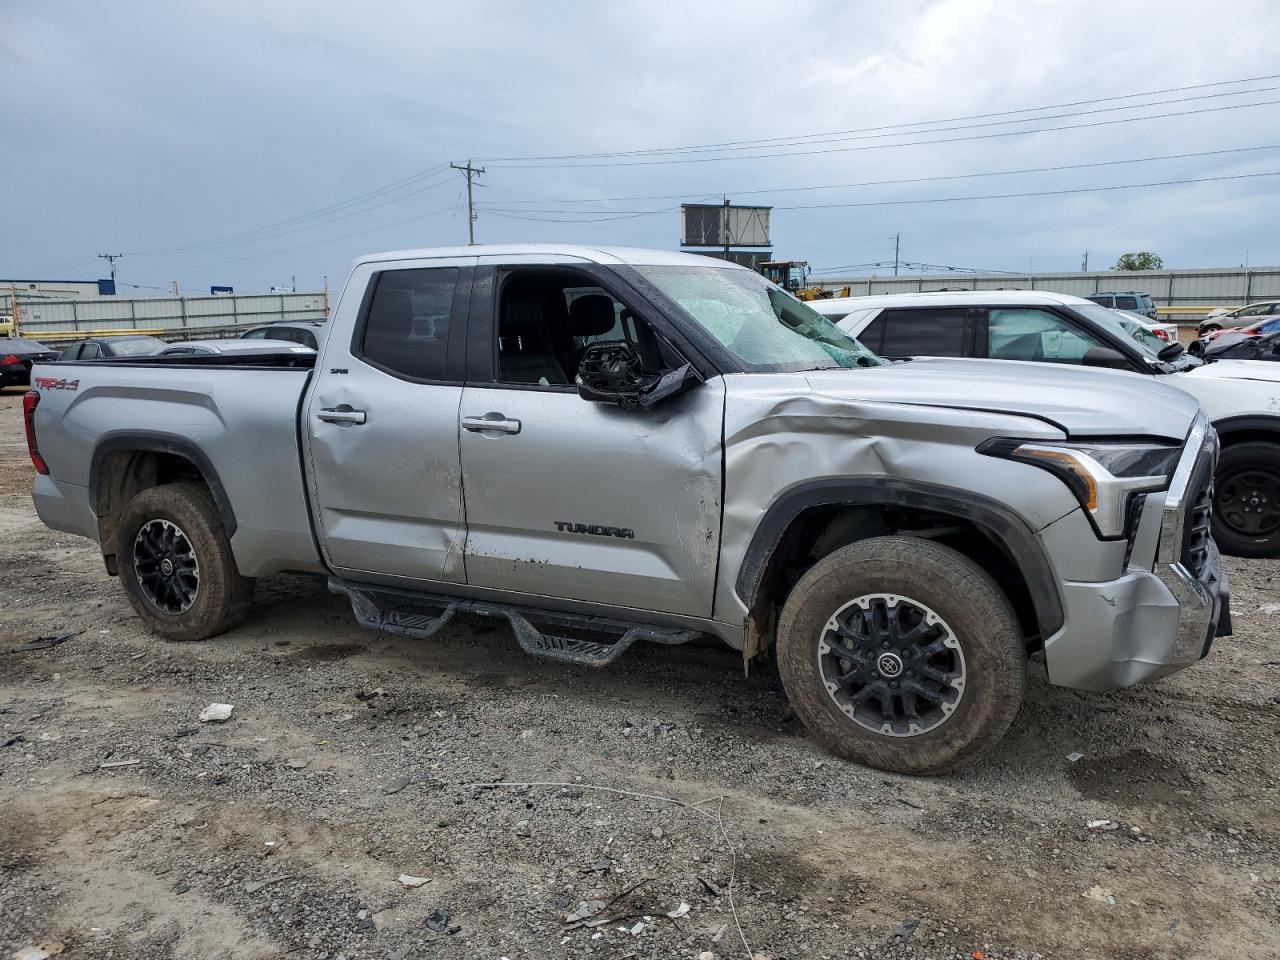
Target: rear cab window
(406, 329)
(921, 332)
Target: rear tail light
(1162, 334)
(11, 360)
(29, 403)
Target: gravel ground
(353, 758)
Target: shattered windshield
(762, 325)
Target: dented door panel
(591, 502)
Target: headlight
(1103, 476)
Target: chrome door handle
(495, 422)
(342, 414)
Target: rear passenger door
(381, 424)
(922, 332)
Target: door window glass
(90, 351)
(1028, 334)
(407, 329)
(931, 332)
(547, 319)
(259, 334)
(1126, 303)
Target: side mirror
(611, 371)
(1105, 357)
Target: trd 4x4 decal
(55, 383)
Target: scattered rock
(438, 922)
(906, 930)
(253, 886)
(39, 951)
(297, 763)
(587, 908)
(1100, 894)
(679, 911)
(412, 882)
(216, 713)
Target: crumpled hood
(1082, 402)
(1264, 370)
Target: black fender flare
(997, 521)
(151, 441)
(1249, 423)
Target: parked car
(6, 325)
(105, 348)
(1240, 347)
(606, 446)
(1239, 318)
(1168, 332)
(1130, 300)
(1058, 329)
(1266, 325)
(17, 355)
(236, 347)
(308, 333)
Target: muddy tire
(1246, 500)
(176, 565)
(936, 665)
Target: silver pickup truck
(609, 446)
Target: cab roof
(633, 256)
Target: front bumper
(1151, 622)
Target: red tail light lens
(1162, 334)
(29, 404)
(10, 361)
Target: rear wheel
(176, 565)
(1246, 500)
(902, 654)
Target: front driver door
(570, 499)
(381, 424)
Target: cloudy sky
(249, 143)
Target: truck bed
(236, 418)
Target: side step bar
(410, 614)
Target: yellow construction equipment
(793, 276)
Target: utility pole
(470, 173)
(111, 258)
(1084, 266)
(897, 241)
(725, 225)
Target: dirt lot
(353, 758)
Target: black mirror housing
(612, 371)
(1105, 357)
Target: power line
(907, 180)
(318, 243)
(276, 234)
(919, 123)
(886, 146)
(524, 215)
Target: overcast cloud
(156, 129)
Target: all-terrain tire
(221, 596)
(978, 615)
(1246, 492)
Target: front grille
(1197, 534)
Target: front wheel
(1210, 328)
(1246, 500)
(176, 565)
(902, 654)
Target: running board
(410, 614)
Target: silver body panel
(416, 492)
(651, 476)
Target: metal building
(1178, 293)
